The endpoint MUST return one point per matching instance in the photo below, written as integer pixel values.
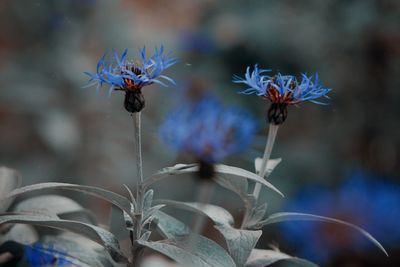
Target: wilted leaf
(116, 199)
(294, 216)
(265, 257)
(92, 232)
(9, 180)
(240, 242)
(193, 250)
(215, 213)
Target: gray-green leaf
(271, 165)
(120, 201)
(295, 216)
(240, 242)
(169, 226)
(265, 257)
(194, 250)
(218, 215)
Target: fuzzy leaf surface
(266, 257)
(120, 201)
(169, 226)
(240, 243)
(218, 215)
(193, 250)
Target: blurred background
(340, 160)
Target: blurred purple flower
(38, 255)
(208, 130)
(129, 75)
(363, 200)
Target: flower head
(208, 130)
(282, 90)
(38, 255)
(131, 76)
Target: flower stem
(273, 130)
(204, 196)
(139, 187)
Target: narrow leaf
(294, 216)
(116, 199)
(266, 257)
(219, 215)
(220, 169)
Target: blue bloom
(38, 255)
(208, 130)
(363, 200)
(128, 75)
(282, 89)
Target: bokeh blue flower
(364, 200)
(129, 75)
(282, 89)
(39, 255)
(208, 130)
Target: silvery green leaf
(266, 257)
(116, 199)
(219, 215)
(169, 226)
(147, 199)
(239, 242)
(92, 232)
(193, 250)
(272, 163)
(219, 168)
(146, 235)
(257, 214)
(239, 172)
(148, 214)
(54, 204)
(295, 216)
(170, 171)
(9, 180)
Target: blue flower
(38, 255)
(282, 89)
(208, 130)
(129, 75)
(363, 200)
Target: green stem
(272, 132)
(139, 187)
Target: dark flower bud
(206, 170)
(134, 100)
(277, 113)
